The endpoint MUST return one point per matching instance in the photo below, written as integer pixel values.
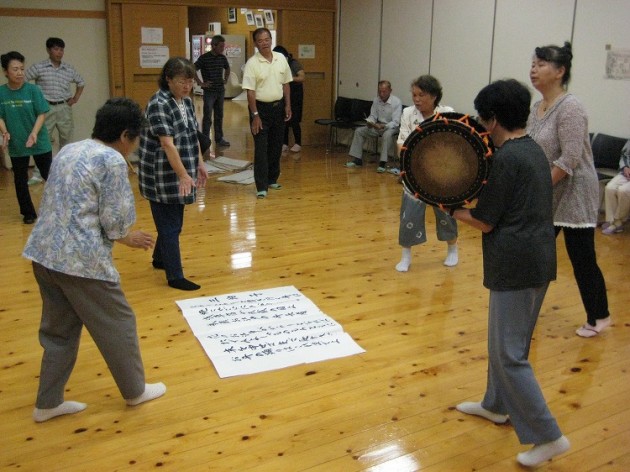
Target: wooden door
(317, 29)
(163, 26)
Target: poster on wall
(306, 51)
(618, 64)
(151, 35)
(231, 15)
(153, 57)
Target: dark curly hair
(11, 56)
(506, 100)
(115, 116)
(431, 85)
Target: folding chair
(342, 118)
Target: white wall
(599, 23)
(401, 63)
(523, 26)
(467, 44)
(460, 50)
(360, 32)
(86, 49)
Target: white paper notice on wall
(152, 35)
(153, 56)
(618, 64)
(306, 51)
(262, 330)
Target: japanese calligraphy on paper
(256, 331)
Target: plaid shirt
(54, 81)
(158, 182)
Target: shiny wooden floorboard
(332, 233)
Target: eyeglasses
(185, 83)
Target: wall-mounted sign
(306, 51)
(153, 57)
(152, 35)
(618, 64)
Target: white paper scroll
(249, 332)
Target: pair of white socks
(537, 454)
(151, 392)
(452, 258)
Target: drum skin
(446, 160)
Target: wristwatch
(255, 113)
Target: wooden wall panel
(318, 29)
(141, 82)
(298, 22)
(115, 51)
(305, 5)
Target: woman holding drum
(426, 91)
(514, 213)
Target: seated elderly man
(384, 121)
(617, 195)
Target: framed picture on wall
(259, 21)
(231, 15)
(269, 17)
(249, 16)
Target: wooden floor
(332, 233)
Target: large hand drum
(445, 161)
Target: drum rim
(464, 126)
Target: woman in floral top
(558, 123)
(88, 205)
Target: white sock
(451, 256)
(405, 260)
(475, 408)
(543, 452)
(66, 408)
(151, 392)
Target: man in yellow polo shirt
(266, 78)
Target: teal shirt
(19, 109)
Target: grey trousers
(70, 302)
(388, 137)
(412, 225)
(512, 388)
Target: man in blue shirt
(384, 121)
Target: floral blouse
(563, 134)
(87, 204)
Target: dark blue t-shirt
(212, 67)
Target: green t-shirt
(19, 109)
